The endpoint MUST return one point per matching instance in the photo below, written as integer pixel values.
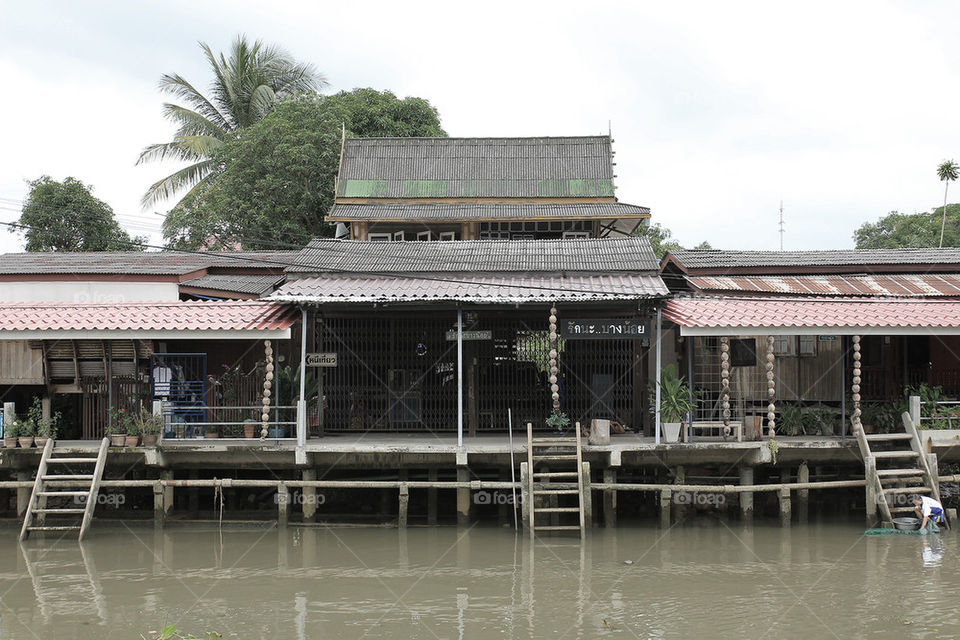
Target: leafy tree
(65, 216)
(905, 230)
(947, 171)
(662, 240)
(277, 178)
(246, 87)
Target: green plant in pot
(132, 434)
(10, 433)
(558, 420)
(121, 421)
(150, 426)
(791, 420)
(26, 432)
(675, 402)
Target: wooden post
(679, 507)
(587, 496)
(404, 505)
(934, 471)
(309, 496)
(666, 498)
(785, 511)
(167, 474)
(609, 499)
(915, 410)
(746, 497)
(159, 512)
(803, 496)
(870, 492)
(23, 493)
(463, 497)
(432, 498)
(283, 505)
(525, 497)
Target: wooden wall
(19, 364)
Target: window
(448, 235)
(494, 235)
(808, 345)
(576, 234)
(743, 352)
(398, 235)
(423, 235)
(378, 237)
(785, 345)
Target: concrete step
(906, 453)
(907, 490)
(902, 510)
(882, 437)
(899, 473)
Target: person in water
(930, 511)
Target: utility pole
(781, 225)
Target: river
(697, 580)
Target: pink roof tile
(902, 285)
(146, 316)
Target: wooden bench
(736, 429)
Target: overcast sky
(718, 109)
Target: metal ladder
(563, 482)
(51, 485)
(897, 470)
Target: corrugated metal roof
(905, 285)
(467, 288)
(733, 314)
(708, 259)
(555, 256)
(229, 315)
(476, 167)
(252, 284)
(139, 262)
(477, 211)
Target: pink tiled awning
(922, 285)
(213, 319)
(805, 316)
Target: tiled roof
(145, 317)
(833, 314)
(905, 285)
(711, 259)
(478, 211)
(466, 288)
(139, 262)
(587, 255)
(476, 167)
(251, 284)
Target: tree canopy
(910, 230)
(276, 181)
(662, 240)
(246, 87)
(65, 216)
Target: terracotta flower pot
(211, 434)
(249, 430)
(41, 441)
(118, 439)
(150, 439)
(25, 441)
(10, 443)
(131, 441)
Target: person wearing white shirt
(930, 510)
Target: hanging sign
(321, 359)
(603, 329)
(827, 338)
(470, 335)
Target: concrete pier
(746, 497)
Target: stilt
(159, 513)
(309, 496)
(609, 499)
(679, 507)
(870, 491)
(746, 497)
(587, 497)
(785, 508)
(803, 496)
(463, 497)
(525, 496)
(666, 499)
(432, 499)
(167, 474)
(23, 493)
(403, 507)
(283, 507)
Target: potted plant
(118, 431)
(10, 433)
(46, 427)
(25, 433)
(132, 435)
(558, 420)
(250, 428)
(674, 402)
(150, 426)
(211, 432)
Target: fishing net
(887, 532)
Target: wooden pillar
(746, 497)
(463, 497)
(23, 493)
(870, 493)
(403, 507)
(785, 510)
(587, 496)
(167, 474)
(679, 509)
(666, 498)
(526, 500)
(283, 506)
(609, 499)
(159, 511)
(432, 498)
(309, 496)
(803, 495)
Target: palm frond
(164, 151)
(178, 181)
(199, 146)
(191, 122)
(175, 85)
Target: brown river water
(711, 580)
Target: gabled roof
(468, 256)
(253, 285)
(476, 168)
(489, 288)
(457, 212)
(713, 262)
(139, 262)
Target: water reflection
(713, 581)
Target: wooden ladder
(555, 475)
(56, 479)
(898, 469)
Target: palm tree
(948, 171)
(245, 89)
